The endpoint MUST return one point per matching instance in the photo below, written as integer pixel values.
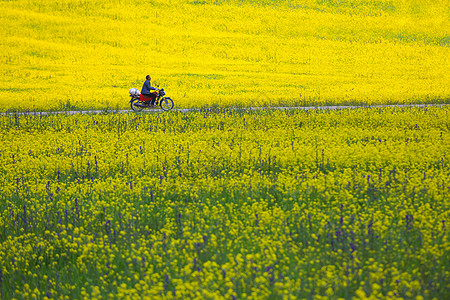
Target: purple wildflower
(166, 282)
(409, 221)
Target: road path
(334, 107)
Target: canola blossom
(226, 204)
(78, 54)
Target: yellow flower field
(77, 54)
(226, 204)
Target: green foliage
(223, 203)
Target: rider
(146, 88)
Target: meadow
(226, 204)
(77, 54)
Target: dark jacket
(147, 87)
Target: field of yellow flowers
(78, 54)
(226, 204)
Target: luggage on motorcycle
(134, 92)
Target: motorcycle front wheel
(134, 104)
(166, 104)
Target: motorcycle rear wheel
(134, 107)
(166, 103)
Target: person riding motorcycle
(146, 90)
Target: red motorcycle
(138, 101)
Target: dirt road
(153, 110)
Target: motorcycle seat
(144, 98)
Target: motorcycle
(138, 101)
